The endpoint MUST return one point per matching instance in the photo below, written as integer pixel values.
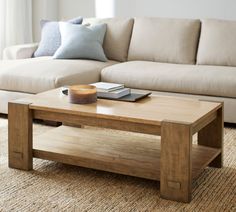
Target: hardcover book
(107, 87)
(114, 94)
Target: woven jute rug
(56, 187)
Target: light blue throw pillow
(81, 42)
(51, 37)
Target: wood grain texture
(176, 161)
(72, 119)
(152, 110)
(130, 154)
(212, 136)
(204, 121)
(20, 135)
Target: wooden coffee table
(173, 160)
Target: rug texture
(57, 187)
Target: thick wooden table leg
(176, 161)
(20, 136)
(212, 136)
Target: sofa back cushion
(165, 40)
(217, 43)
(117, 37)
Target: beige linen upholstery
(117, 38)
(41, 74)
(164, 40)
(191, 79)
(217, 43)
(20, 51)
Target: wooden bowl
(82, 94)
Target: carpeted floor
(57, 187)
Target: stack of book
(111, 90)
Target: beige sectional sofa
(177, 57)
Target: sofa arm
(20, 51)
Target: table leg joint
(176, 161)
(20, 136)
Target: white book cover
(105, 86)
(114, 94)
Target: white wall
(221, 9)
(72, 8)
(66, 9)
(43, 9)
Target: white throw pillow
(81, 42)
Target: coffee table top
(151, 110)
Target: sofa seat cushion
(191, 79)
(41, 74)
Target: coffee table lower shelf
(123, 153)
